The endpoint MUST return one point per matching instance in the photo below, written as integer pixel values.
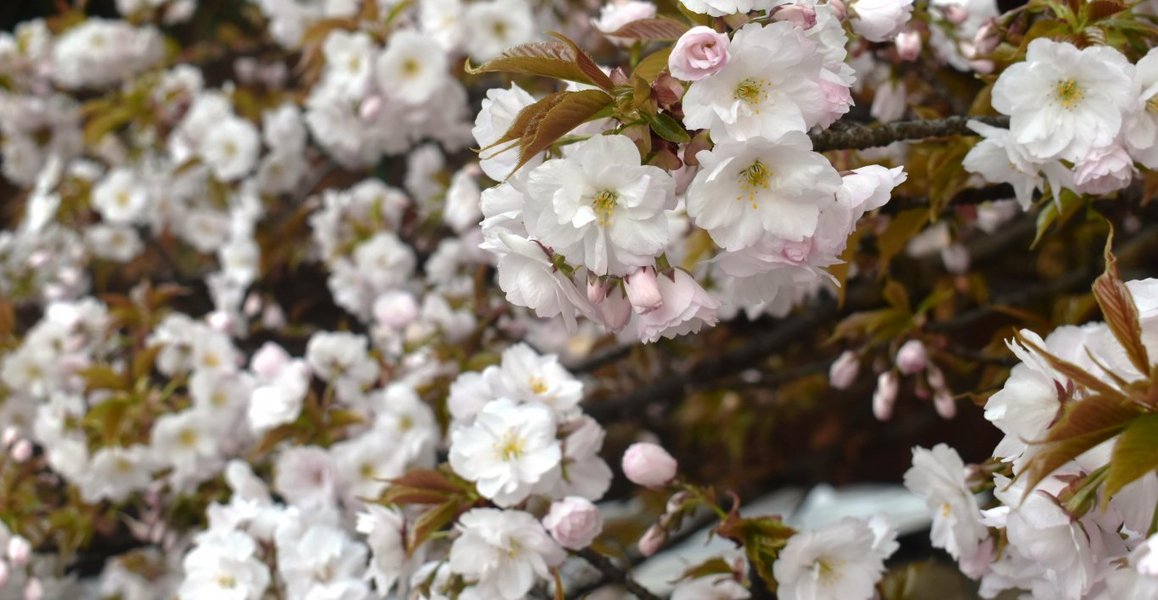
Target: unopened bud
(945, 404)
(21, 451)
(955, 14)
(33, 590)
(955, 258)
(371, 107)
(596, 290)
(800, 15)
(649, 465)
(908, 45)
(839, 8)
(844, 370)
(912, 357)
(936, 378)
(652, 540)
(615, 311)
(986, 39)
(19, 550)
(885, 396)
(643, 290)
(5, 571)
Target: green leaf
(659, 29)
(103, 377)
(1135, 454)
(668, 128)
(712, 566)
(1082, 425)
(555, 59)
(571, 110)
(762, 538)
(652, 65)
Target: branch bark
(613, 574)
(859, 137)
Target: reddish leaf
(1120, 312)
(558, 60)
(1083, 424)
(431, 521)
(658, 29)
(103, 377)
(1075, 373)
(586, 64)
(572, 109)
(652, 65)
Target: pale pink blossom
(686, 308)
(574, 522)
(844, 369)
(912, 357)
(643, 290)
(1104, 170)
(700, 52)
(885, 396)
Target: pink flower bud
(955, 14)
(945, 404)
(21, 451)
(652, 540)
(912, 357)
(395, 309)
(676, 502)
(615, 311)
(700, 52)
(643, 290)
(801, 15)
(885, 396)
(936, 378)
(19, 550)
(5, 571)
(574, 522)
(10, 435)
(956, 258)
(986, 39)
(596, 290)
(908, 45)
(649, 465)
(371, 107)
(844, 370)
(976, 565)
(33, 590)
(839, 8)
(269, 360)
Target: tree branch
(613, 574)
(859, 137)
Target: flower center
(946, 509)
(510, 447)
(537, 386)
(187, 438)
(226, 581)
(604, 205)
(826, 569)
(751, 91)
(410, 67)
(753, 179)
(1068, 93)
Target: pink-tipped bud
(908, 45)
(885, 396)
(936, 378)
(955, 14)
(615, 311)
(371, 107)
(574, 522)
(676, 502)
(33, 590)
(844, 370)
(839, 8)
(643, 291)
(986, 39)
(800, 15)
(21, 451)
(396, 309)
(269, 360)
(19, 550)
(596, 290)
(9, 437)
(653, 539)
(945, 404)
(912, 357)
(649, 465)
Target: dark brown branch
(860, 137)
(613, 574)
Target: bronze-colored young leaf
(1120, 312)
(570, 111)
(659, 29)
(524, 119)
(586, 64)
(762, 538)
(431, 521)
(546, 59)
(1082, 425)
(103, 377)
(1135, 454)
(712, 566)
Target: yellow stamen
(751, 91)
(537, 386)
(753, 179)
(1068, 93)
(604, 205)
(510, 447)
